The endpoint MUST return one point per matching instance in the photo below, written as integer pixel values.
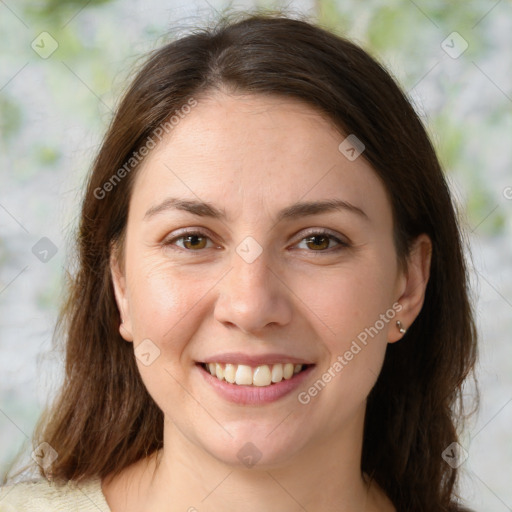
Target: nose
(253, 296)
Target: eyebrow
(302, 209)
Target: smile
(261, 376)
(254, 385)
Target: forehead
(261, 153)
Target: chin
(253, 450)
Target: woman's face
(271, 276)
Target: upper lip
(254, 360)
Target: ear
(413, 284)
(120, 291)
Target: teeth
(229, 373)
(261, 376)
(288, 370)
(277, 373)
(243, 375)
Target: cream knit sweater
(43, 496)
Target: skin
(252, 156)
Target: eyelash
(314, 232)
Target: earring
(401, 328)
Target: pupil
(193, 240)
(315, 240)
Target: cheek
(355, 337)
(165, 308)
(348, 300)
(354, 304)
(163, 301)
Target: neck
(323, 476)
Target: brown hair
(104, 419)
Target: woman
(271, 307)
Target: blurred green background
(64, 65)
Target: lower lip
(255, 395)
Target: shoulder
(44, 496)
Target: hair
(103, 418)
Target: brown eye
(191, 241)
(194, 242)
(320, 241)
(316, 242)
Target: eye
(320, 241)
(191, 241)
(315, 241)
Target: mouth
(254, 385)
(258, 376)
